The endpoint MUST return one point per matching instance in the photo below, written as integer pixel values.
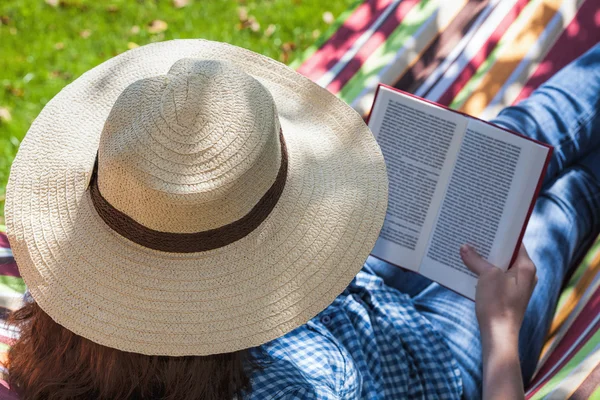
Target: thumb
(474, 261)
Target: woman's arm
(500, 304)
(501, 367)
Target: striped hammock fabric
(477, 56)
(473, 55)
(12, 290)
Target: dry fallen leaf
(247, 21)
(85, 33)
(4, 20)
(132, 45)
(157, 26)
(53, 3)
(288, 46)
(328, 17)
(61, 75)
(59, 46)
(270, 30)
(135, 29)
(243, 14)
(17, 92)
(5, 115)
(180, 3)
(286, 49)
(112, 8)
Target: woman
(192, 219)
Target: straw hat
(192, 198)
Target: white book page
(485, 205)
(420, 143)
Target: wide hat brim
(117, 293)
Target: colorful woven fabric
(12, 290)
(477, 56)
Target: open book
(453, 179)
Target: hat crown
(192, 150)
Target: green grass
(45, 47)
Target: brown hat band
(197, 241)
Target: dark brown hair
(50, 362)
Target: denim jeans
(564, 112)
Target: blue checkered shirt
(370, 343)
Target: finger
(523, 264)
(523, 257)
(474, 261)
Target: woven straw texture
(193, 145)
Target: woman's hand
(500, 304)
(502, 297)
